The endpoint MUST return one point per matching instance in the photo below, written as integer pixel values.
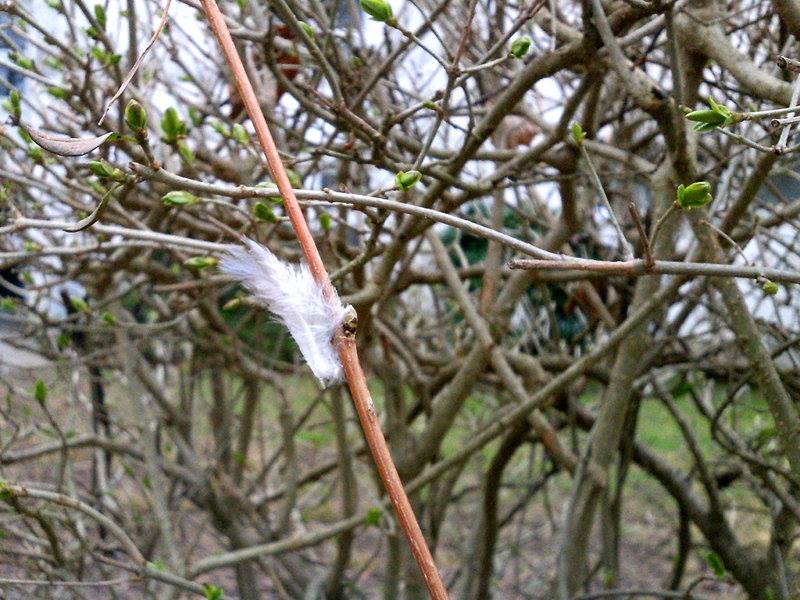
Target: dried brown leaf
(63, 145)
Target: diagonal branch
(345, 339)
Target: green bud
(40, 392)
(78, 304)
(7, 304)
(179, 198)
(53, 63)
(240, 134)
(196, 116)
(706, 116)
(270, 185)
(212, 592)
(30, 246)
(35, 154)
(13, 99)
(430, 104)
(520, 46)
(105, 58)
(100, 15)
(135, 116)
(22, 61)
(63, 340)
(220, 128)
(770, 288)
(405, 180)
(59, 93)
(172, 125)
(159, 564)
(325, 221)
(200, 262)
(373, 516)
(379, 10)
(577, 133)
(109, 318)
(262, 212)
(186, 153)
(714, 561)
(715, 116)
(308, 29)
(694, 195)
(104, 170)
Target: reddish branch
(345, 341)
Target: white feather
(292, 295)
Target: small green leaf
(179, 198)
(262, 212)
(714, 561)
(40, 392)
(405, 180)
(109, 318)
(520, 46)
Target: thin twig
(345, 340)
(626, 245)
(637, 268)
(648, 252)
(139, 60)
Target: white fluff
(292, 295)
